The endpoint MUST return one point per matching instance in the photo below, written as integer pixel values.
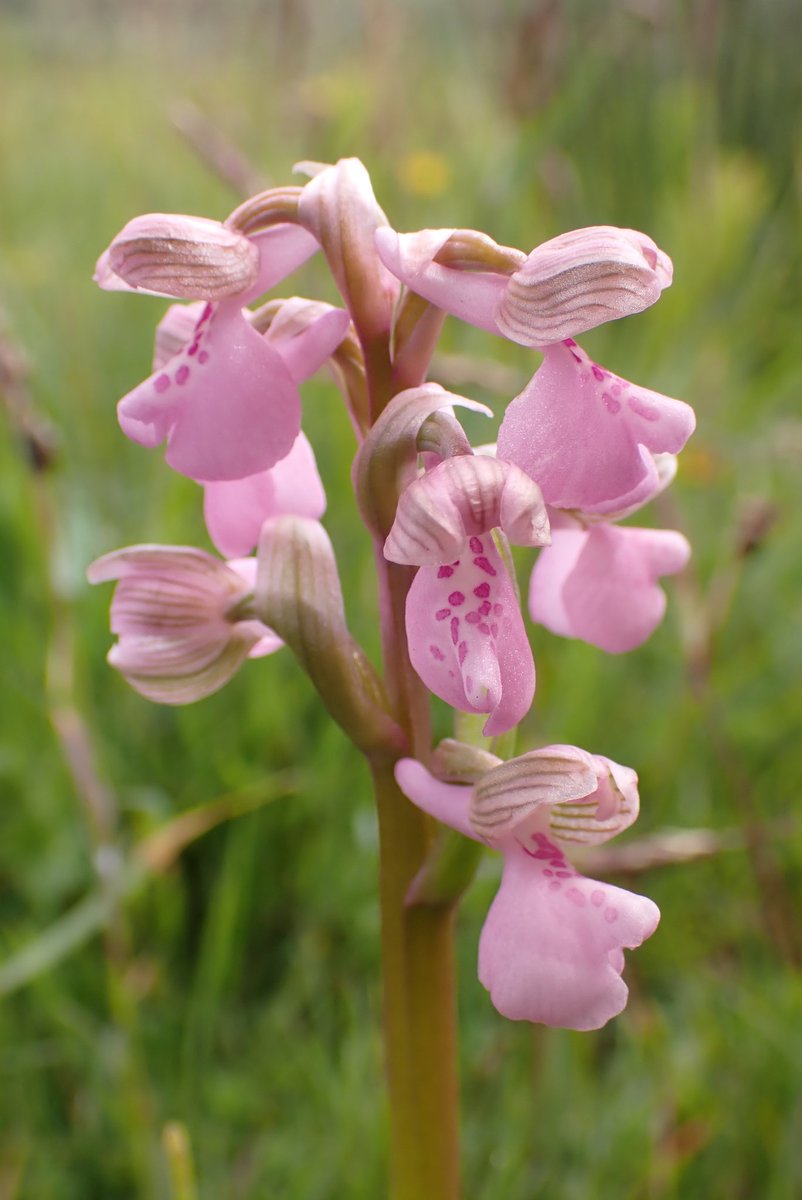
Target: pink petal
(226, 403)
(306, 349)
(446, 802)
(579, 280)
(473, 296)
(191, 258)
(235, 510)
(462, 497)
(584, 435)
(551, 947)
(466, 637)
(282, 249)
(600, 585)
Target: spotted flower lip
(464, 629)
(551, 949)
(588, 437)
(174, 612)
(227, 401)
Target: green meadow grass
(232, 984)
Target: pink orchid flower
(551, 949)
(227, 402)
(177, 613)
(566, 286)
(588, 437)
(464, 629)
(305, 333)
(599, 584)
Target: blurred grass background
(188, 925)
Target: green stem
(419, 1010)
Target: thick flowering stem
(419, 1009)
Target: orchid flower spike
(588, 437)
(226, 402)
(600, 584)
(551, 949)
(464, 628)
(564, 287)
(181, 620)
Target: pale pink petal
(473, 296)
(586, 436)
(446, 802)
(601, 585)
(306, 349)
(467, 639)
(191, 258)
(551, 947)
(579, 280)
(226, 403)
(235, 510)
(281, 249)
(462, 497)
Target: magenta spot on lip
(204, 317)
(563, 874)
(473, 618)
(597, 898)
(182, 374)
(484, 628)
(193, 349)
(547, 872)
(643, 409)
(455, 630)
(162, 383)
(462, 654)
(555, 885)
(610, 403)
(485, 608)
(576, 897)
(610, 915)
(445, 572)
(498, 609)
(203, 357)
(468, 683)
(476, 545)
(437, 653)
(484, 565)
(569, 342)
(482, 591)
(494, 629)
(442, 613)
(456, 598)
(598, 373)
(616, 389)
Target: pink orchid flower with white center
(566, 286)
(180, 618)
(227, 403)
(551, 949)
(464, 629)
(588, 437)
(599, 584)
